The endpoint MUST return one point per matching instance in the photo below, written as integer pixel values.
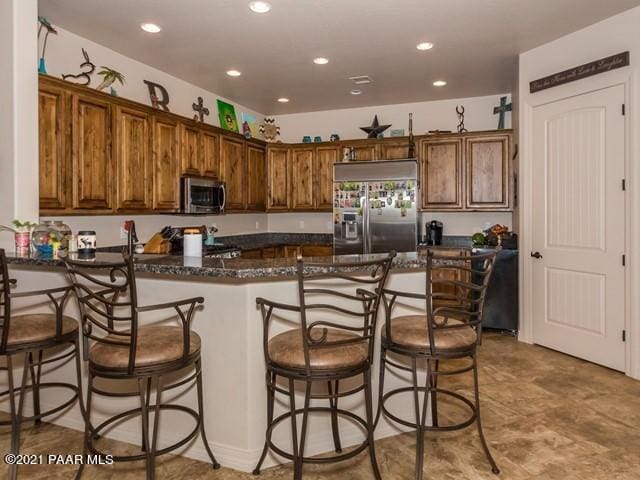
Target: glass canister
(62, 233)
(41, 238)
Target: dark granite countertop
(234, 268)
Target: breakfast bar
(230, 326)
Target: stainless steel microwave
(202, 195)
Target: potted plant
(109, 77)
(22, 234)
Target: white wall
(437, 115)
(611, 36)
(18, 114)
(64, 55)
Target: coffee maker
(434, 232)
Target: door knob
(536, 255)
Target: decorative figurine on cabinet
(83, 75)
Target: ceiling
(476, 44)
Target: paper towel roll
(192, 244)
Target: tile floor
(547, 416)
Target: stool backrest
(367, 279)
(107, 300)
(5, 302)
(456, 289)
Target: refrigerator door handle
(365, 220)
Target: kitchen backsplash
(108, 227)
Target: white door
(579, 226)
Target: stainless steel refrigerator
(375, 207)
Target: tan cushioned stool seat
(286, 350)
(411, 331)
(37, 327)
(156, 345)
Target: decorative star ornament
(375, 129)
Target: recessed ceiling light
(283, 100)
(424, 46)
(234, 73)
(356, 92)
(150, 27)
(439, 83)
(320, 61)
(260, 7)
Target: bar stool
(117, 347)
(30, 336)
(449, 329)
(326, 351)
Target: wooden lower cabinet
(256, 171)
(441, 174)
(233, 169)
(302, 179)
(325, 157)
(52, 147)
(133, 160)
(166, 164)
(92, 169)
(316, 250)
(278, 174)
(488, 172)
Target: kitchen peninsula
(230, 326)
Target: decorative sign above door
(583, 71)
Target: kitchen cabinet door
(487, 172)
(324, 159)
(441, 174)
(365, 152)
(52, 148)
(166, 164)
(133, 160)
(191, 158)
(394, 150)
(256, 170)
(92, 170)
(278, 166)
(210, 154)
(234, 172)
(302, 179)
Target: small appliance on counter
(200, 195)
(434, 232)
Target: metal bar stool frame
(34, 358)
(465, 308)
(102, 305)
(314, 336)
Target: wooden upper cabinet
(133, 160)
(278, 165)
(365, 151)
(232, 163)
(190, 150)
(441, 174)
(487, 172)
(394, 150)
(52, 145)
(256, 169)
(210, 154)
(166, 164)
(92, 165)
(302, 179)
(324, 159)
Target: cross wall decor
(583, 71)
